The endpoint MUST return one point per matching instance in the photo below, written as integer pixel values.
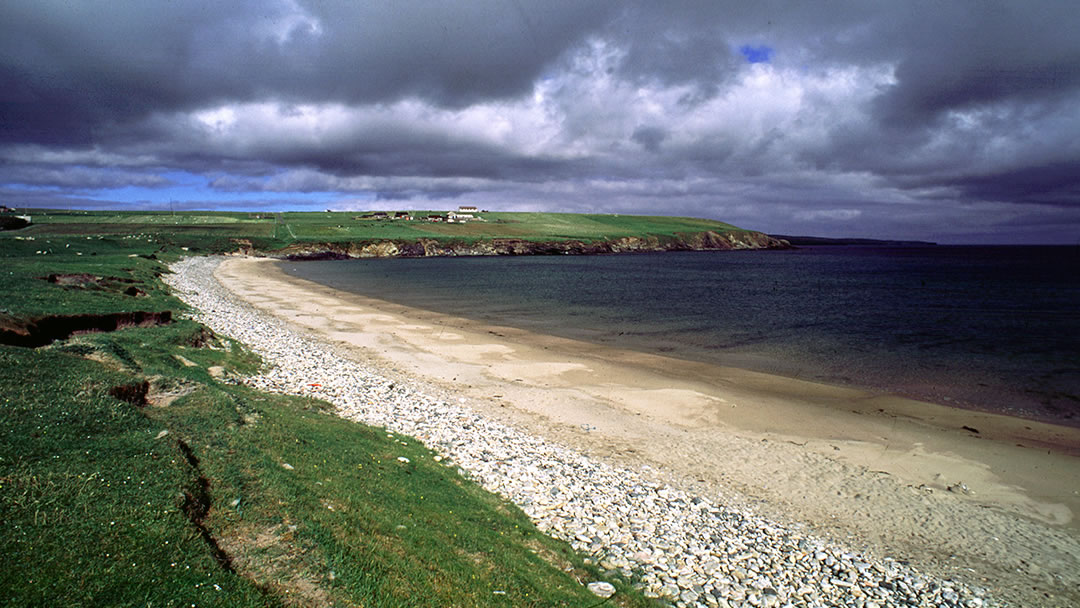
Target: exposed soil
(34, 332)
(88, 281)
(202, 338)
(133, 393)
(163, 392)
(276, 560)
(73, 279)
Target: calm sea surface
(995, 328)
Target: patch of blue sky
(757, 54)
(190, 187)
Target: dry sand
(990, 499)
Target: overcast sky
(942, 120)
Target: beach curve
(891, 475)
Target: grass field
(131, 475)
(220, 231)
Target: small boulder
(602, 589)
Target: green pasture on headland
(220, 231)
(132, 473)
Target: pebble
(601, 588)
(683, 547)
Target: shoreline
(847, 463)
(876, 346)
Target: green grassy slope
(132, 475)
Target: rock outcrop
(700, 241)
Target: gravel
(687, 549)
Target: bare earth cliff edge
(426, 247)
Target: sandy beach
(981, 497)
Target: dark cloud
(69, 68)
(1054, 184)
(426, 194)
(74, 67)
(650, 138)
(667, 49)
(429, 158)
(964, 56)
(450, 54)
(78, 178)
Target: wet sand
(988, 498)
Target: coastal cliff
(390, 248)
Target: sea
(989, 328)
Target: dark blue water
(993, 328)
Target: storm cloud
(944, 121)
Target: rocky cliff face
(701, 241)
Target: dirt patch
(125, 286)
(133, 393)
(244, 246)
(73, 279)
(273, 558)
(164, 391)
(40, 331)
(203, 337)
(185, 361)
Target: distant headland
(468, 231)
(808, 241)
